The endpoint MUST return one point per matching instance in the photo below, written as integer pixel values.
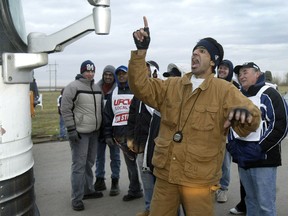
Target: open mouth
(195, 63)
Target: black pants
(241, 206)
(133, 175)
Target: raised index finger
(145, 22)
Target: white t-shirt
(196, 82)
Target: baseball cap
(153, 63)
(174, 72)
(246, 65)
(121, 68)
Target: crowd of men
(204, 121)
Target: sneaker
(221, 196)
(114, 187)
(235, 211)
(100, 184)
(94, 195)
(144, 213)
(77, 205)
(130, 197)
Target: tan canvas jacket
(197, 159)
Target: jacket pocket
(161, 150)
(170, 114)
(203, 117)
(199, 166)
(78, 119)
(249, 152)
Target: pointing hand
(142, 36)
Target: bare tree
(286, 78)
(277, 80)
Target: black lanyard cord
(189, 112)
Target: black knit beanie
(214, 48)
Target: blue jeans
(260, 187)
(83, 159)
(225, 179)
(148, 181)
(115, 161)
(62, 128)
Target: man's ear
(212, 63)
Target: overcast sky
(250, 30)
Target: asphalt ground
(53, 188)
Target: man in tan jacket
(196, 112)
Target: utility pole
(53, 69)
(49, 77)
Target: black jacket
(153, 133)
(109, 131)
(267, 151)
(138, 123)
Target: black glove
(242, 111)
(236, 116)
(73, 136)
(109, 141)
(145, 43)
